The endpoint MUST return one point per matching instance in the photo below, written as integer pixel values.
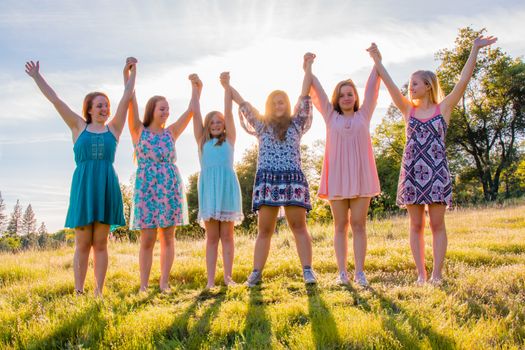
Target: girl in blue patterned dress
(95, 200)
(279, 180)
(425, 179)
(159, 202)
(220, 204)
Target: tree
(28, 221)
(43, 236)
(125, 232)
(487, 126)
(15, 223)
(193, 197)
(246, 170)
(3, 216)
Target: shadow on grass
(257, 330)
(394, 314)
(324, 328)
(83, 330)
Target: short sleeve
(303, 114)
(250, 119)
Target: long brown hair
(337, 92)
(88, 103)
(279, 124)
(150, 108)
(206, 135)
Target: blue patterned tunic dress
(425, 176)
(279, 180)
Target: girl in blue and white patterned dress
(220, 203)
(279, 180)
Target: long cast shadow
(324, 328)
(257, 330)
(409, 340)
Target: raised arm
(75, 122)
(130, 73)
(178, 127)
(198, 126)
(237, 98)
(308, 60)
(134, 123)
(401, 102)
(371, 94)
(452, 99)
(228, 114)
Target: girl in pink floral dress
(159, 203)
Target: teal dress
(95, 191)
(219, 190)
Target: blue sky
(82, 47)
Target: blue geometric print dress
(279, 180)
(95, 191)
(219, 190)
(425, 176)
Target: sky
(82, 47)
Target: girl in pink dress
(159, 202)
(424, 179)
(349, 175)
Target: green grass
(481, 305)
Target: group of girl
(349, 176)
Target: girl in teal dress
(220, 204)
(95, 202)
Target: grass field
(481, 305)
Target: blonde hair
(280, 125)
(430, 79)
(206, 135)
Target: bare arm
(134, 123)
(178, 127)
(401, 102)
(228, 105)
(452, 99)
(75, 122)
(198, 127)
(308, 60)
(237, 98)
(130, 73)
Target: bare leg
(148, 237)
(267, 218)
(212, 245)
(167, 255)
(340, 214)
(83, 243)
(416, 214)
(296, 217)
(358, 214)
(228, 250)
(436, 213)
(100, 254)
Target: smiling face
(347, 98)
(417, 87)
(99, 110)
(216, 125)
(279, 105)
(161, 112)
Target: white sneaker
(342, 279)
(360, 279)
(309, 276)
(254, 279)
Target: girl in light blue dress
(220, 204)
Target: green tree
(43, 236)
(192, 196)
(487, 126)
(246, 173)
(28, 221)
(125, 232)
(15, 222)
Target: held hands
(482, 41)
(308, 60)
(374, 52)
(225, 79)
(196, 83)
(32, 68)
(130, 67)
